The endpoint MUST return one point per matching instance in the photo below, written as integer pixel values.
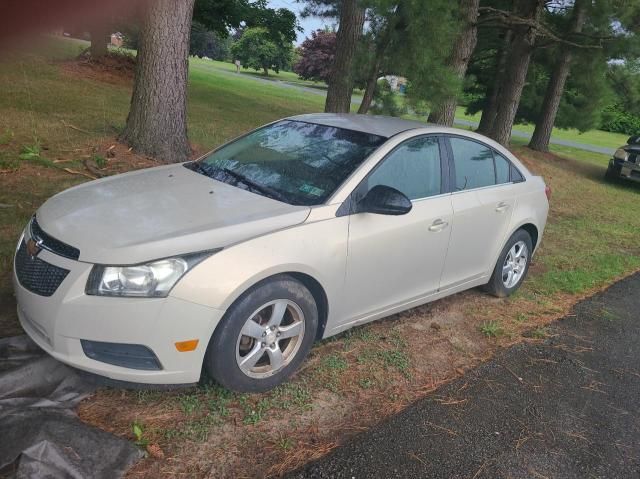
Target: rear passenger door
(483, 199)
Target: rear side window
(473, 164)
(516, 176)
(413, 168)
(503, 167)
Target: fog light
(184, 346)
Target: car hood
(159, 212)
(635, 148)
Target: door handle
(502, 206)
(438, 225)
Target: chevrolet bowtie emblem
(33, 248)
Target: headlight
(621, 154)
(151, 280)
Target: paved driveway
(566, 407)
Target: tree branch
(511, 20)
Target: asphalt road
(356, 101)
(566, 407)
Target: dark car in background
(625, 163)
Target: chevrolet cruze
(236, 263)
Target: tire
(611, 175)
(500, 286)
(254, 349)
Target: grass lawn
(351, 381)
(592, 137)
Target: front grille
(48, 242)
(633, 158)
(36, 275)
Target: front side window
(292, 161)
(413, 168)
(473, 164)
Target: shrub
(616, 120)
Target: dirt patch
(115, 67)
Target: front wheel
(264, 336)
(612, 175)
(512, 265)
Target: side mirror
(384, 200)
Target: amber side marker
(184, 346)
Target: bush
(616, 120)
(387, 102)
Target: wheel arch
(532, 230)
(320, 297)
(307, 280)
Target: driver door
(393, 260)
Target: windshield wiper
(196, 166)
(265, 190)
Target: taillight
(547, 191)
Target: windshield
(292, 161)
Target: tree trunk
(157, 121)
(491, 105)
(516, 70)
(372, 82)
(465, 43)
(100, 39)
(341, 78)
(266, 71)
(544, 126)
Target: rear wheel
(512, 265)
(264, 336)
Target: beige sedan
(237, 262)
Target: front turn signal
(185, 346)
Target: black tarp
(40, 434)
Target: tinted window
(516, 176)
(502, 168)
(292, 161)
(474, 164)
(413, 168)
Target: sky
(308, 24)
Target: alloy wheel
(515, 264)
(270, 338)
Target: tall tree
(408, 38)
(206, 43)
(256, 49)
(373, 61)
(316, 56)
(100, 39)
(463, 48)
(555, 88)
(341, 78)
(528, 13)
(157, 121)
(489, 101)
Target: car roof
(386, 126)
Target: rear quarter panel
(531, 207)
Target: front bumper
(59, 322)
(624, 169)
